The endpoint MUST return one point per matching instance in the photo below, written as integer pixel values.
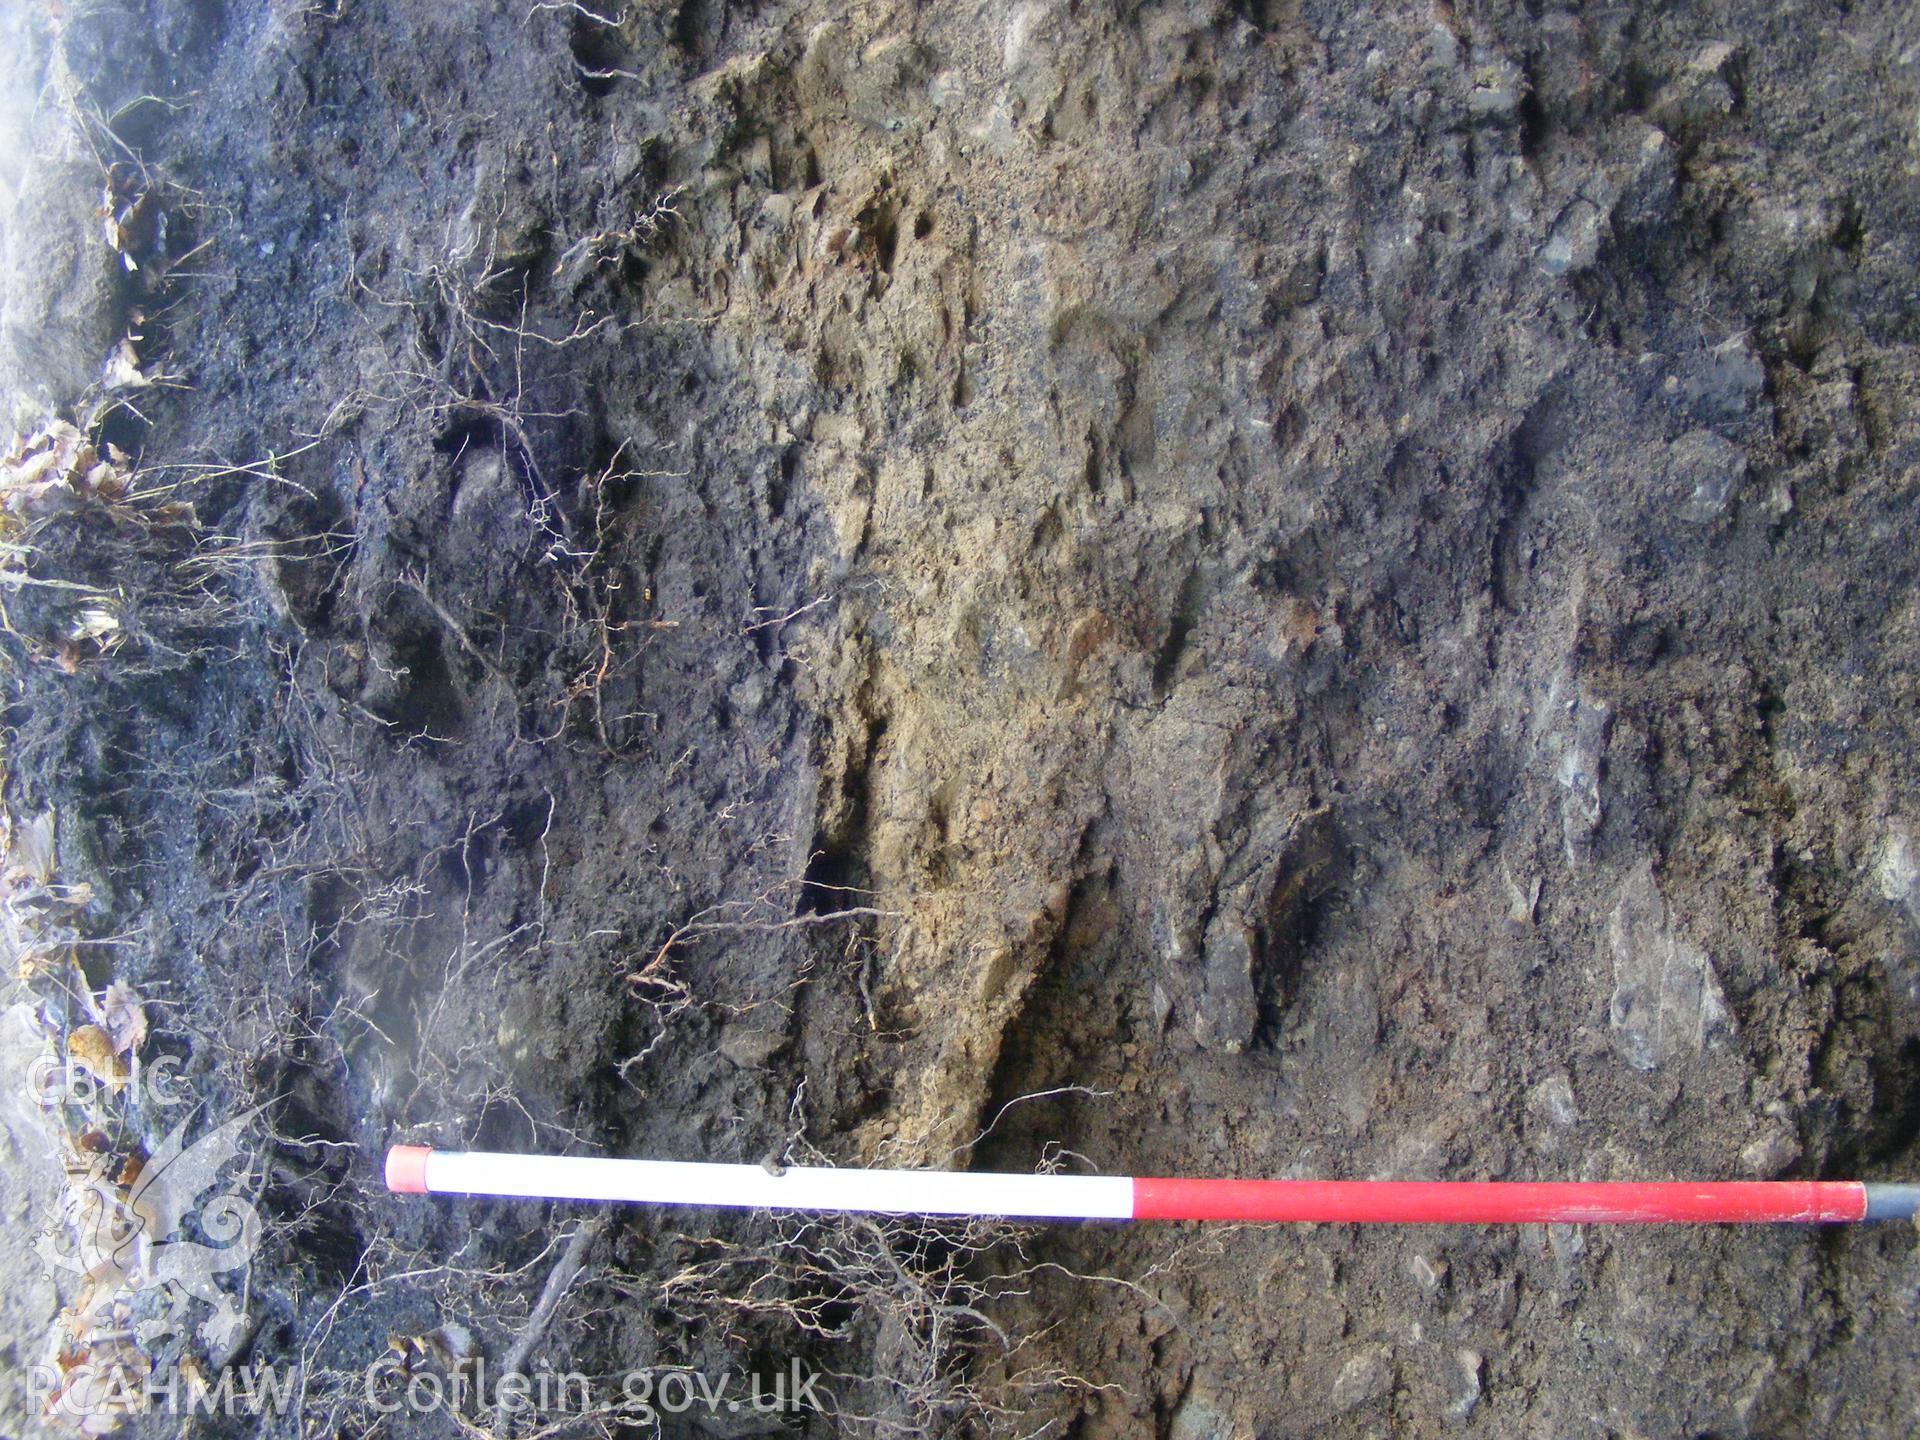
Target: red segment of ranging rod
(1465, 1202)
(418, 1170)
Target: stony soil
(1323, 591)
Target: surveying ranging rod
(419, 1170)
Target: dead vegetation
(110, 1222)
(97, 597)
(56, 476)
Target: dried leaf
(105, 1387)
(57, 467)
(174, 512)
(449, 1346)
(123, 1015)
(92, 1050)
(38, 961)
(78, 894)
(106, 1282)
(97, 624)
(123, 369)
(32, 470)
(33, 849)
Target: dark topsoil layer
(1341, 581)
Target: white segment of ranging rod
(798, 1187)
